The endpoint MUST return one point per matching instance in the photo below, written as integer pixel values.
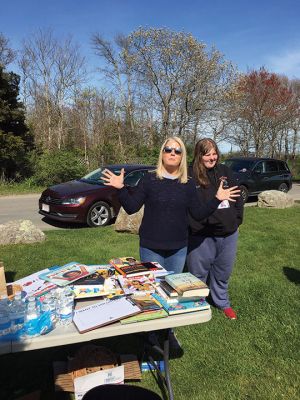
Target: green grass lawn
(255, 357)
(12, 188)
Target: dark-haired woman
(213, 241)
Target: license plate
(45, 207)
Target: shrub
(59, 166)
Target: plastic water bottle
(17, 314)
(5, 323)
(65, 307)
(49, 304)
(32, 320)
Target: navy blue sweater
(167, 204)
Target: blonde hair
(182, 169)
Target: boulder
(129, 223)
(20, 231)
(274, 199)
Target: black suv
(254, 175)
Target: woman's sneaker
(229, 313)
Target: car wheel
(244, 193)
(283, 187)
(99, 214)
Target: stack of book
(181, 293)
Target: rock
(20, 231)
(274, 199)
(129, 223)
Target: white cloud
(286, 63)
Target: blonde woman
(168, 195)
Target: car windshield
(239, 165)
(96, 176)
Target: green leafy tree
(15, 139)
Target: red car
(88, 200)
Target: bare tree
(184, 78)
(53, 69)
(7, 54)
(118, 71)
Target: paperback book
(110, 287)
(34, 285)
(68, 273)
(137, 285)
(145, 316)
(161, 292)
(182, 307)
(187, 284)
(147, 303)
(168, 289)
(128, 266)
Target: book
(94, 279)
(137, 285)
(156, 269)
(110, 287)
(182, 307)
(187, 284)
(168, 289)
(68, 273)
(128, 266)
(34, 285)
(145, 316)
(147, 303)
(174, 299)
(103, 313)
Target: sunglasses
(168, 150)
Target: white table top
(69, 334)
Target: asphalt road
(26, 207)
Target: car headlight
(79, 200)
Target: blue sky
(251, 34)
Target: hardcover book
(182, 307)
(187, 284)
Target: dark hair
(203, 146)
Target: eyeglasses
(168, 149)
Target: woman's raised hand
(111, 179)
(227, 194)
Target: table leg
(165, 352)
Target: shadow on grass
(68, 225)
(292, 274)
(30, 371)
